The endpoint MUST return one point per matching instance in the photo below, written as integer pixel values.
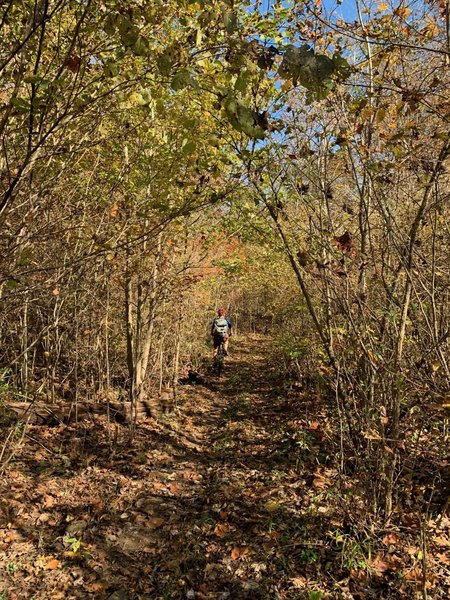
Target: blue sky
(346, 10)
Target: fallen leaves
(222, 529)
(47, 563)
(238, 552)
(192, 476)
(299, 582)
(391, 539)
(54, 563)
(7, 536)
(272, 506)
(386, 563)
(247, 517)
(96, 587)
(321, 481)
(174, 488)
(155, 522)
(48, 501)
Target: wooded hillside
(289, 161)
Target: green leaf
(12, 283)
(26, 256)
(230, 21)
(130, 37)
(109, 24)
(36, 79)
(164, 63)
(242, 81)
(181, 80)
(141, 46)
(22, 104)
(189, 147)
(293, 60)
(111, 68)
(243, 118)
(124, 23)
(312, 70)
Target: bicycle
(219, 359)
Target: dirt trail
(195, 505)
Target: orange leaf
(114, 210)
(221, 529)
(174, 487)
(382, 564)
(391, 539)
(314, 425)
(443, 558)
(414, 574)
(48, 501)
(239, 552)
(402, 12)
(52, 564)
(345, 243)
(192, 475)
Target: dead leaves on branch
(345, 243)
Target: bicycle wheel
(219, 360)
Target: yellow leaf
(382, 7)
(381, 115)
(435, 366)
(299, 582)
(271, 505)
(97, 587)
(402, 12)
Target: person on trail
(221, 331)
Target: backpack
(220, 326)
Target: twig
(424, 559)
(10, 457)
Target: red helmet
(222, 312)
